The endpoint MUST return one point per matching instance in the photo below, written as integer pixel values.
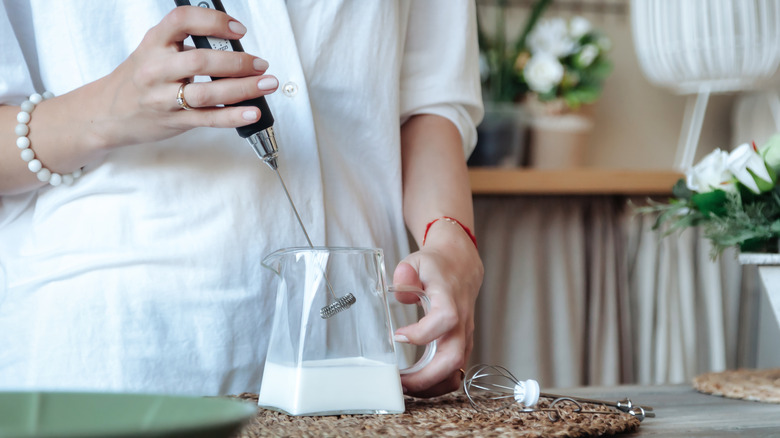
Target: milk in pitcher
(337, 386)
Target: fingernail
(249, 115)
(267, 83)
(237, 27)
(400, 338)
(260, 64)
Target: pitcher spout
(273, 261)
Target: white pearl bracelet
(27, 154)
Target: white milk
(332, 386)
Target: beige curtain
(686, 307)
(580, 291)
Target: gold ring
(462, 374)
(180, 97)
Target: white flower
(711, 173)
(543, 72)
(587, 55)
(551, 36)
(748, 167)
(578, 27)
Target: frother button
(290, 89)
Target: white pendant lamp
(699, 47)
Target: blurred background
(579, 289)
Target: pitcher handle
(430, 349)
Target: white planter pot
(560, 141)
(559, 136)
(769, 271)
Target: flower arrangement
(553, 59)
(733, 196)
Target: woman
(144, 274)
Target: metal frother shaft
(339, 304)
(260, 136)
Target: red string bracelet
(452, 221)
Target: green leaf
(757, 244)
(677, 214)
(600, 69)
(572, 101)
(763, 185)
(584, 94)
(681, 190)
(677, 219)
(710, 202)
(747, 195)
(539, 7)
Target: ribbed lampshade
(698, 47)
(722, 45)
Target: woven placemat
(745, 384)
(451, 415)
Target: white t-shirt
(145, 275)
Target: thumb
(406, 275)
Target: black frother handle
(204, 42)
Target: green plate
(112, 415)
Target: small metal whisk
(498, 383)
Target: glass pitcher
(345, 363)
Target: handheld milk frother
(260, 136)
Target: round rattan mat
(745, 384)
(449, 415)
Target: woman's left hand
(450, 271)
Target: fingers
(242, 73)
(225, 92)
(442, 316)
(451, 285)
(440, 320)
(218, 117)
(216, 63)
(213, 116)
(451, 383)
(184, 21)
(406, 274)
(184, 62)
(442, 375)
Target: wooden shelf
(582, 181)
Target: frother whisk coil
(337, 306)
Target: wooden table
(681, 411)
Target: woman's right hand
(136, 103)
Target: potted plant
(501, 135)
(554, 69)
(564, 65)
(734, 198)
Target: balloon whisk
(492, 388)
